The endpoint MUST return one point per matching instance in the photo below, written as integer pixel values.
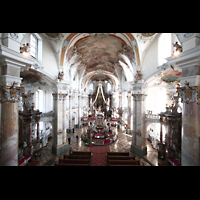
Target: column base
(78, 125)
(129, 131)
(70, 130)
(28, 151)
(138, 151)
(121, 127)
(60, 149)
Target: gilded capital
(189, 94)
(11, 93)
(139, 97)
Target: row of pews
(121, 159)
(78, 158)
(83, 158)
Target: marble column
(79, 111)
(70, 130)
(120, 99)
(9, 125)
(139, 131)
(190, 142)
(189, 92)
(128, 130)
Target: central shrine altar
(98, 132)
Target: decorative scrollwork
(14, 35)
(139, 97)
(189, 94)
(11, 93)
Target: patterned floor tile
(122, 144)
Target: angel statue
(60, 75)
(177, 46)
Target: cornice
(185, 56)
(5, 52)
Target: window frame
(33, 46)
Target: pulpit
(28, 118)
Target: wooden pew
(120, 157)
(77, 156)
(123, 162)
(81, 153)
(70, 165)
(74, 161)
(118, 153)
(125, 165)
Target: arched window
(108, 87)
(33, 45)
(39, 98)
(164, 47)
(91, 87)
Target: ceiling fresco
(100, 53)
(100, 78)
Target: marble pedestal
(78, 125)
(128, 131)
(60, 149)
(70, 130)
(138, 151)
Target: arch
(75, 115)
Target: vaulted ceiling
(104, 53)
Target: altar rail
(152, 118)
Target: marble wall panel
(190, 71)
(9, 134)
(190, 134)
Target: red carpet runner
(99, 155)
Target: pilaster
(128, 130)
(70, 130)
(79, 111)
(59, 137)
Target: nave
(122, 144)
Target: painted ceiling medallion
(53, 35)
(147, 34)
(99, 35)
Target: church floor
(122, 144)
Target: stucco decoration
(170, 76)
(100, 53)
(53, 35)
(30, 76)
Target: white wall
(156, 99)
(49, 61)
(151, 59)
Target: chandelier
(99, 88)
